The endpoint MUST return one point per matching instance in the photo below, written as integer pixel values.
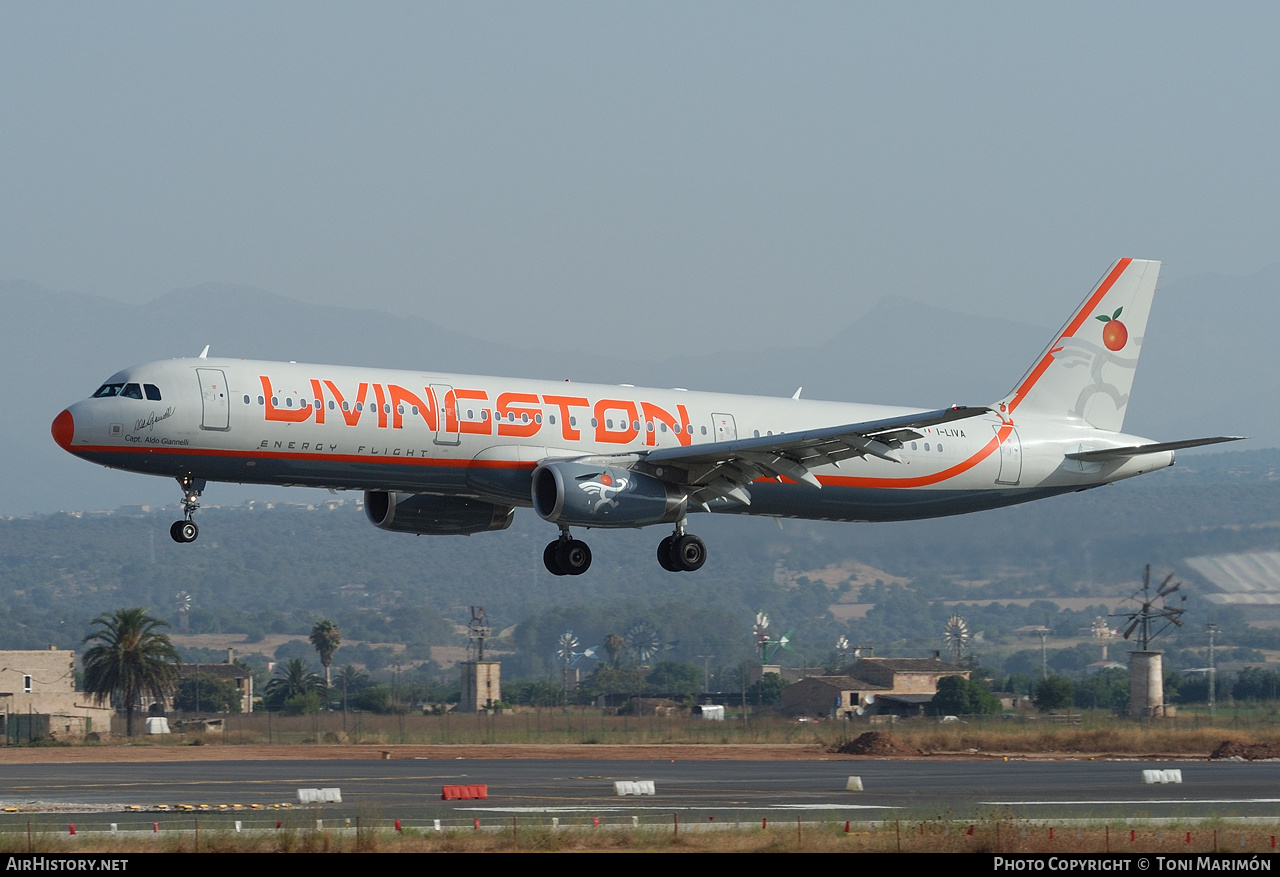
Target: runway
(576, 791)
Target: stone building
(39, 699)
(871, 686)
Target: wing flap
(725, 469)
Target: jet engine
(586, 495)
(434, 515)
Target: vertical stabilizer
(1087, 370)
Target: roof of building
(221, 671)
(911, 665)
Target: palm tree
(130, 658)
(326, 638)
(352, 679)
(292, 679)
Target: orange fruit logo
(1114, 334)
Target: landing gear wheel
(186, 529)
(573, 557)
(689, 553)
(664, 554)
(549, 558)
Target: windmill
(182, 602)
(1155, 615)
(1102, 632)
(567, 651)
(843, 649)
(478, 630)
(955, 636)
(643, 642)
(765, 643)
(1155, 610)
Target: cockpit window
(131, 391)
(108, 390)
(153, 392)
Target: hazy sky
(638, 178)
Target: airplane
(441, 454)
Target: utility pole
(1044, 656)
(1211, 629)
(706, 672)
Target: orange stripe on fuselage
(922, 480)
(302, 457)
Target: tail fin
(1087, 370)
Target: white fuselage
(481, 437)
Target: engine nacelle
(434, 515)
(585, 495)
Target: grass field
(1083, 734)
(995, 835)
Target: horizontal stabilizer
(1154, 448)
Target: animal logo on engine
(605, 487)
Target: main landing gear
(186, 529)
(566, 556)
(681, 551)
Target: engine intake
(434, 515)
(585, 495)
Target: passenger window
(246, 399)
(153, 392)
(131, 391)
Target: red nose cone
(64, 427)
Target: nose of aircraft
(63, 429)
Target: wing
(725, 469)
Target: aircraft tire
(573, 556)
(188, 530)
(689, 553)
(664, 554)
(549, 558)
(174, 532)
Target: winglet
(796, 394)
(204, 354)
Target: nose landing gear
(566, 556)
(186, 529)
